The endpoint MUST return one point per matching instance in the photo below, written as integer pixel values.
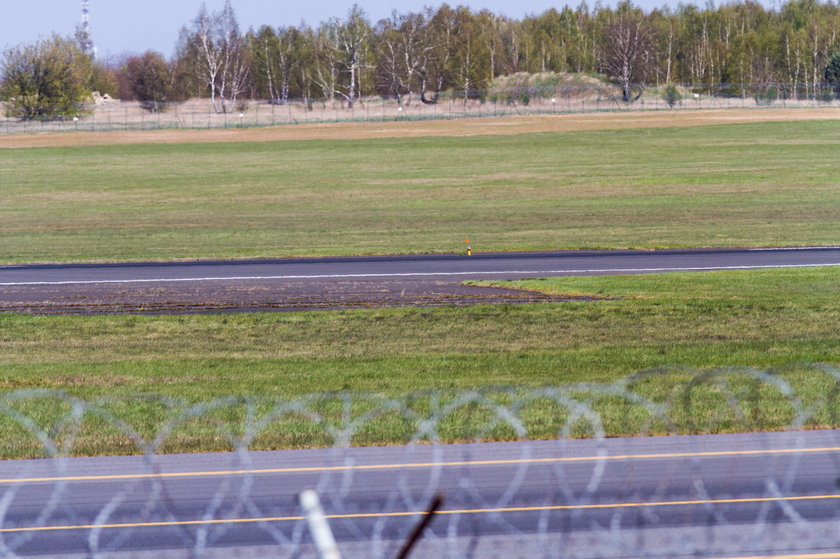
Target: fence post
(318, 525)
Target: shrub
(767, 96)
(832, 71)
(149, 78)
(827, 95)
(46, 80)
(672, 95)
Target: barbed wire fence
(111, 115)
(570, 439)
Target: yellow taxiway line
(420, 513)
(365, 467)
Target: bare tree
(235, 63)
(324, 71)
(343, 52)
(203, 47)
(288, 59)
(627, 52)
(405, 47)
(220, 55)
(353, 38)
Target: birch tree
(734, 48)
(354, 37)
(343, 53)
(404, 49)
(469, 59)
(627, 55)
(219, 56)
(265, 49)
(324, 68)
(235, 68)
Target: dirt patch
(248, 297)
(401, 129)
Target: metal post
(436, 503)
(318, 525)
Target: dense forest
(728, 49)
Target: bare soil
(401, 129)
(252, 297)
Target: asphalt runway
(299, 284)
(712, 496)
(699, 496)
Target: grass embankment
(763, 319)
(729, 185)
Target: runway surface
(293, 284)
(700, 496)
(723, 496)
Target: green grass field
(733, 185)
(750, 318)
(728, 185)
(783, 319)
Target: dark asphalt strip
(335, 283)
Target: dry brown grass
(402, 129)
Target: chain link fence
(110, 115)
(573, 471)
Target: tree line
(418, 55)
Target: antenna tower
(87, 39)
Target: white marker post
(318, 525)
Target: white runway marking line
(769, 249)
(533, 273)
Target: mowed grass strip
(784, 320)
(726, 185)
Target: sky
(121, 27)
